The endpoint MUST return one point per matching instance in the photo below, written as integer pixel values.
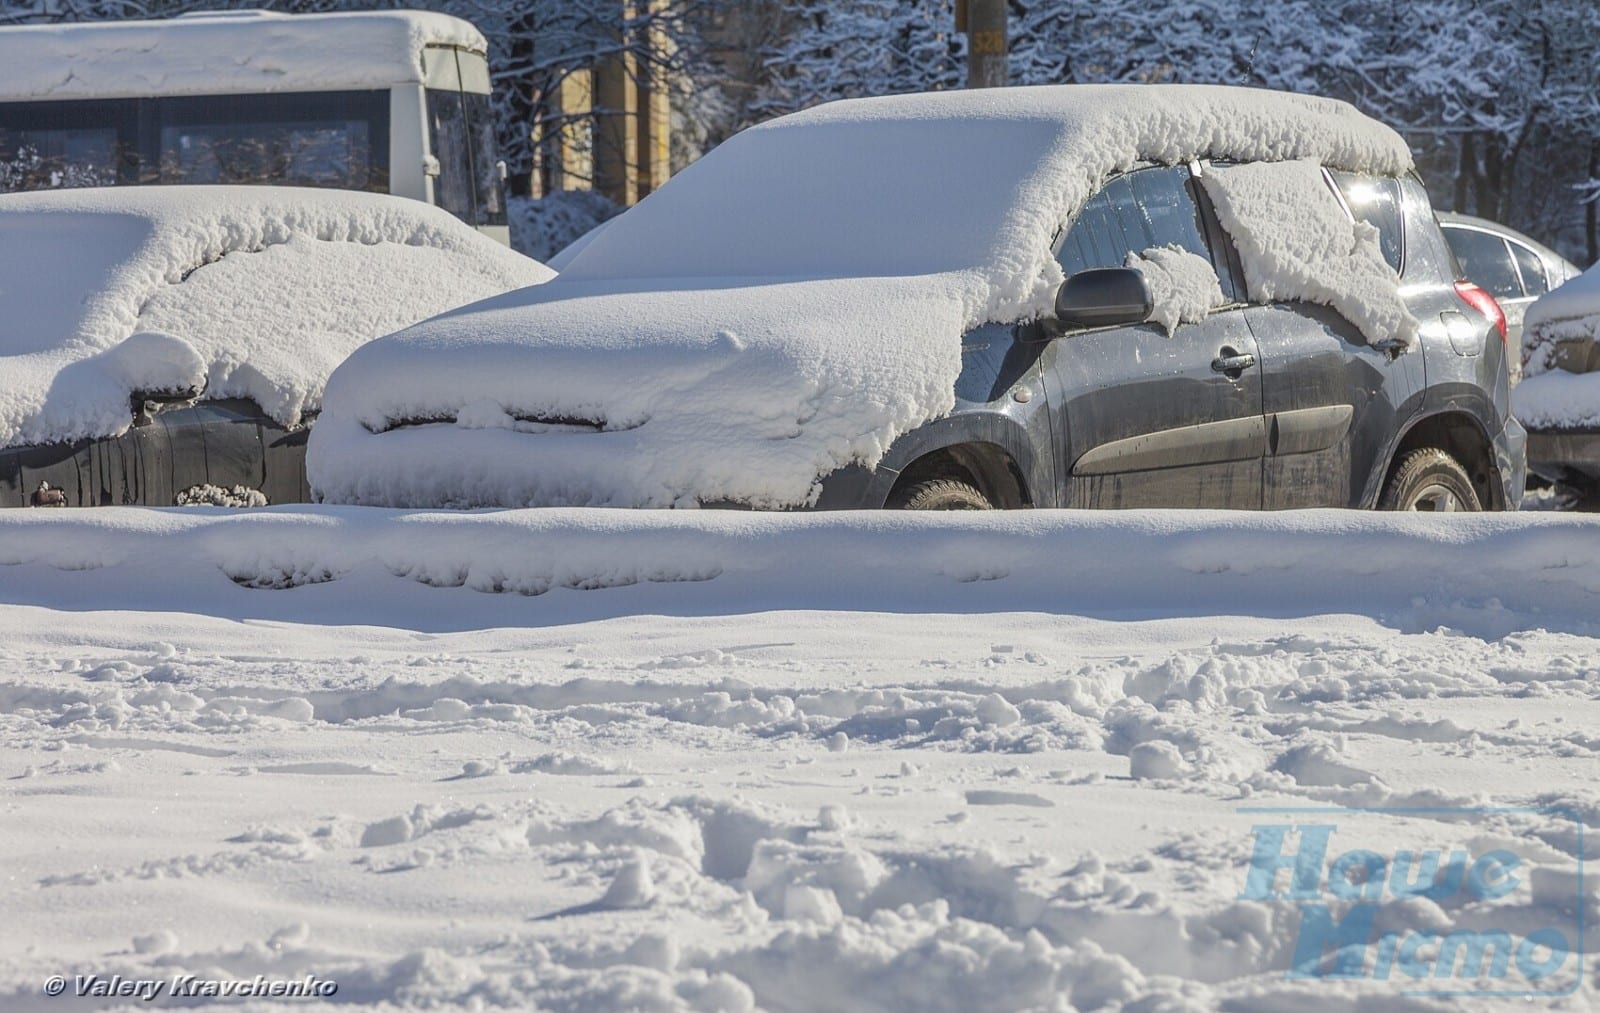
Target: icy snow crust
(789, 304)
(225, 54)
(1296, 242)
(251, 292)
(1548, 397)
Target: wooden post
(654, 158)
(987, 45)
(616, 134)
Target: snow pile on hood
(1183, 286)
(251, 292)
(1560, 386)
(226, 52)
(1296, 242)
(844, 279)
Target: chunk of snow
(1296, 242)
(395, 830)
(1183, 286)
(847, 281)
(253, 292)
(215, 53)
(632, 886)
(1157, 760)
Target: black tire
(1430, 480)
(939, 494)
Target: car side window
(1132, 213)
(1376, 201)
(1486, 261)
(1534, 280)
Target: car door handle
(1232, 362)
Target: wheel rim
(1437, 498)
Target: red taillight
(1484, 303)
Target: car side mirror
(1104, 297)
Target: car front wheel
(1430, 481)
(939, 494)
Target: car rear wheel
(1430, 481)
(939, 494)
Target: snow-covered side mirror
(1104, 297)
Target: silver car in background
(1514, 269)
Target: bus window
(44, 145)
(327, 140)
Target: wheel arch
(1461, 435)
(988, 466)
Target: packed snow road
(597, 760)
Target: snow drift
(251, 292)
(385, 567)
(788, 305)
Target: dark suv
(778, 326)
(1261, 404)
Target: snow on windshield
(788, 305)
(246, 291)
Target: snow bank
(225, 53)
(384, 566)
(1183, 286)
(798, 268)
(246, 291)
(1297, 242)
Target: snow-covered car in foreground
(163, 344)
(1559, 397)
(1080, 296)
(1508, 265)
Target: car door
(1332, 401)
(1141, 418)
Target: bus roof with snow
(385, 101)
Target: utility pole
(984, 22)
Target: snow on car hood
(792, 302)
(245, 291)
(607, 394)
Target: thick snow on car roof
(787, 305)
(251, 291)
(953, 181)
(225, 52)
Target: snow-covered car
(163, 345)
(1559, 397)
(1508, 265)
(1101, 296)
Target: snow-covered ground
(592, 760)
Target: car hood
(639, 393)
